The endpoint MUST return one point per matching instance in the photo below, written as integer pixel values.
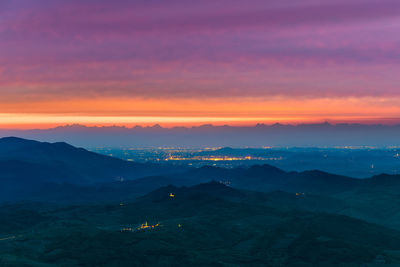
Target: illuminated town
(221, 158)
(143, 226)
(343, 160)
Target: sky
(179, 62)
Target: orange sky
(188, 112)
(198, 62)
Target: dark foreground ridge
(208, 224)
(63, 206)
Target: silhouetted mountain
(205, 225)
(322, 134)
(384, 180)
(35, 170)
(269, 178)
(256, 216)
(26, 164)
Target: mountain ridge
(32, 165)
(28, 164)
(318, 134)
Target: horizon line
(159, 126)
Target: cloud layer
(179, 49)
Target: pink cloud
(178, 48)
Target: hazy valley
(67, 206)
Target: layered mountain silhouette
(27, 164)
(74, 165)
(62, 171)
(204, 225)
(305, 135)
(264, 178)
(82, 213)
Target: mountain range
(306, 135)
(27, 165)
(209, 224)
(30, 168)
(62, 205)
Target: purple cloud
(178, 48)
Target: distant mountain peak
(265, 167)
(63, 162)
(12, 142)
(15, 139)
(225, 149)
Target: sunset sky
(180, 62)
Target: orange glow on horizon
(194, 112)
